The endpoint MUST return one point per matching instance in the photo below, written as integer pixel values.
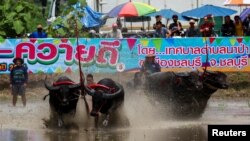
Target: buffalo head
(190, 80)
(63, 89)
(101, 97)
(216, 80)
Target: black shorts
(18, 90)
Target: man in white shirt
(115, 33)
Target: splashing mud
(141, 119)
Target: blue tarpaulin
(91, 18)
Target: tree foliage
(65, 24)
(18, 17)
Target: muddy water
(142, 120)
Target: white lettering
(215, 131)
(243, 133)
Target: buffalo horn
(115, 94)
(50, 88)
(75, 86)
(89, 91)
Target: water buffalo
(187, 94)
(212, 81)
(174, 89)
(63, 97)
(162, 82)
(107, 96)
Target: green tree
(65, 24)
(18, 17)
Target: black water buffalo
(174, 89)
(187, 94)
(212, 81)
(107, 96)
(162, 82)
(63, 97)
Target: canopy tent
(237, 2)
(137, 19)
(208, 10)
(244, 13)
(167, 13)
(131, 9)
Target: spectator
(92, 34)
(18, 80)
(150, 65)
(39, 33)
(115, 33)
(119, 23)
(90, 79)
(228, 28)
(175, 27)
(246, 24)
(192, 31)
(161, 32)
(206, 28)
(239, 30)
(158, 18)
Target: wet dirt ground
(142, 120)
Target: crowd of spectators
(229, 28)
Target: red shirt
(209, 32)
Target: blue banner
(53, 55)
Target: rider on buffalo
(150, 65)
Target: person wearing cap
(115, 33)
(175, 27)
(192, 31)
(18, 80)
(39, 33)
(150, 65)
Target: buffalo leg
(106, 120)
(96, 121)
(60, 120)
